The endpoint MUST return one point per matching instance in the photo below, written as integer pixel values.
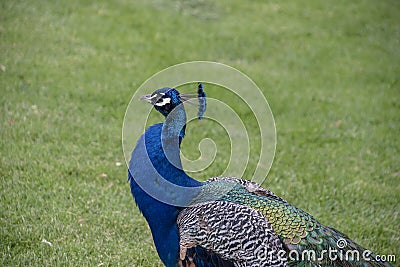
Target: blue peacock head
(166, 99)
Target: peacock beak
(149, 98)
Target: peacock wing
(306, 241)
(234, 235)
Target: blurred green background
(329, 69)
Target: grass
(330, 72)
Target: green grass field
(330, 71)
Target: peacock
(224, 221)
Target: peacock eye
(163, 101)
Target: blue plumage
(162, 224)
(149, 164)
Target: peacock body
(224, 221)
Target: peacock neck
(175, 124)
(155, 171)
(156, 164)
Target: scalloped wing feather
(235, 233)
